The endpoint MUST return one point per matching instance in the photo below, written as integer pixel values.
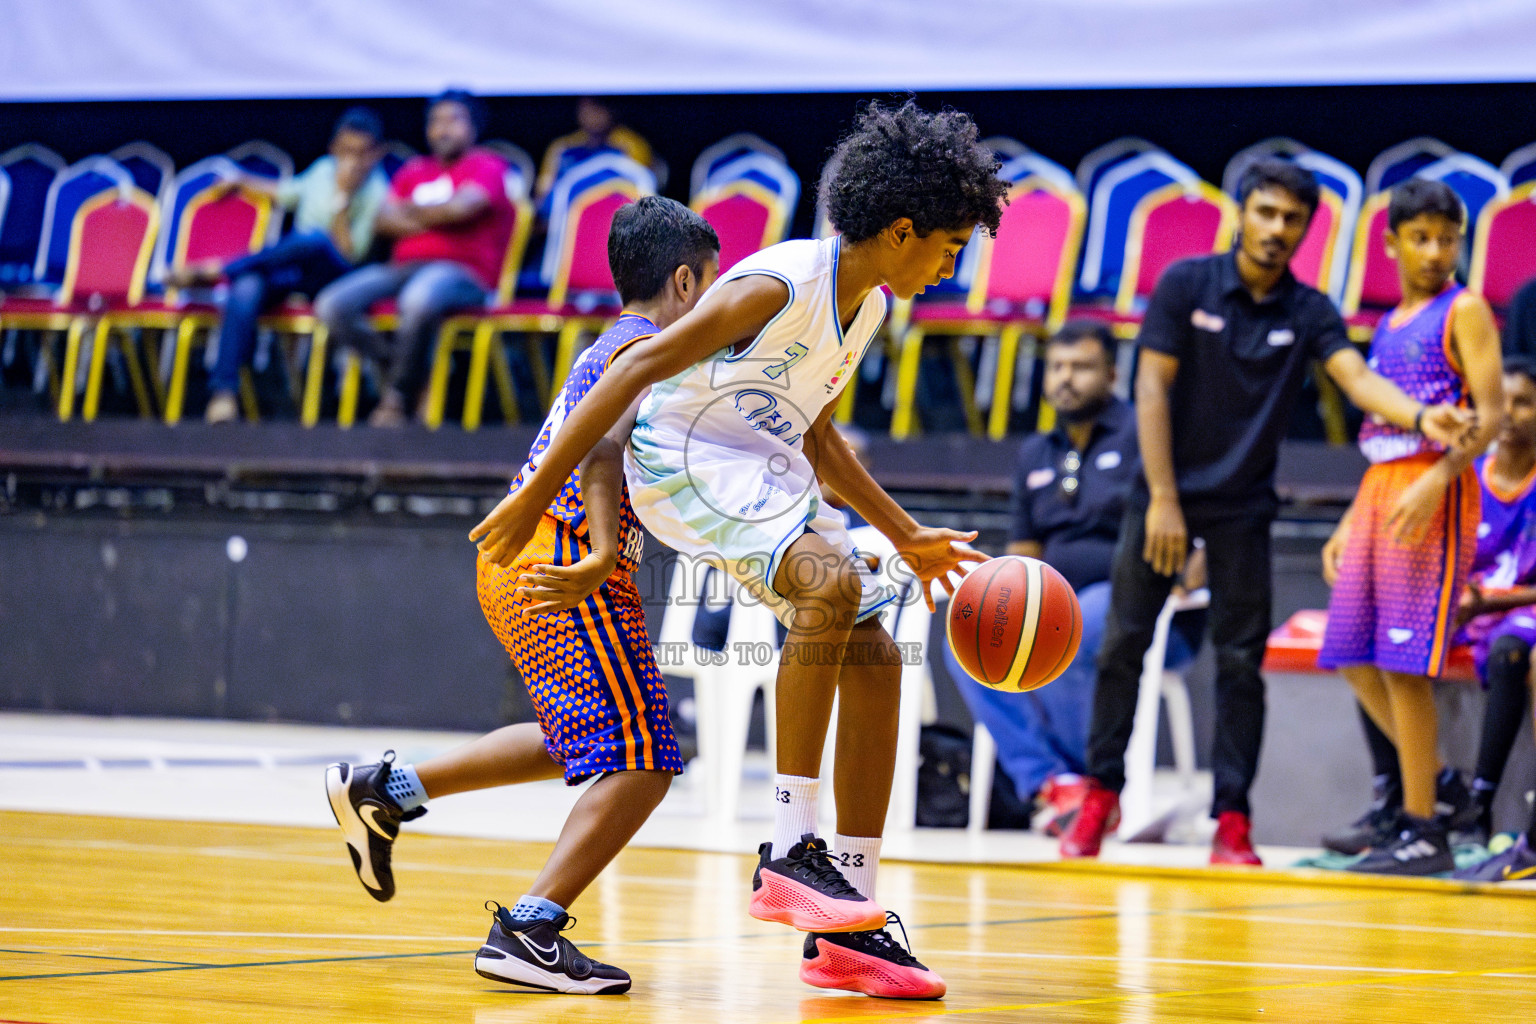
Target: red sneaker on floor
(1099, 814)
(1232, 844)
(1060, 798)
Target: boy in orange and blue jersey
(1403, 552)
(568, 613)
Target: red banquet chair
(1314, 258)
(1168, 225)
(221, 222)
(1373, 287)
(582, 294)
(746, 216)
(112, 239)
(1023, 284)
(1504, 247)
(1171, 223)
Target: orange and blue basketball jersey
(1393, 605)
(590, 670)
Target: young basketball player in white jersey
(724, 462)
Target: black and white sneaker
(369, 819)
(533, 954)
(1419, 848)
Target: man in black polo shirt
(1226, 344)
(1069, 494)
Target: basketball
(1014, 624)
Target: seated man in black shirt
(1226, 344)
(1069, 497)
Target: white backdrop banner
(168, 49)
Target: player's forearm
(602, 486)
(341, 234)
(1507, 600)
(467, 204)
(1375, 394)
(836, 464)
(1154, 431)
(396, 220)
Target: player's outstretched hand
(502, 535)
(1449, 425)
(1414, 513)
(556, 587)
(933, 553)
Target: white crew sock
(858, 858)
(794, 811)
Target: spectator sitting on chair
(1226, 344)
(450, 218)
(1069, 497)
(596, 133)
(334, 204)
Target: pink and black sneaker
(805, 890)
(870, 962)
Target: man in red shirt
(450, 217)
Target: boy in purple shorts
(1409, 539)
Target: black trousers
(1237, 551)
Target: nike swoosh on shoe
(539, 952)
(370, 813)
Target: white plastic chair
(1159, 686)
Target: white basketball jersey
(780, 383)
(716, 465)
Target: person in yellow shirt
(597, 132)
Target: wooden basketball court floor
(149, 918)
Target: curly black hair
(906, 162)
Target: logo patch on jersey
(1107, 460)
(1398, 635)
(1284, 336)
(1207, 321)
(842, 369)
(1038, 478)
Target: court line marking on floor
(671, 941)
(221, 967)
(175, 932)
(98, 956)
(1310, 922)
(1182, 962)
(1132, 997)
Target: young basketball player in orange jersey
(1409, 538)
(725, 464)
(568, 612)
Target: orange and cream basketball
(1014, 623)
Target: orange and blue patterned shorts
(590, 670)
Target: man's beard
(1089, 410)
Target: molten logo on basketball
(1014, 623)
(1000, 616)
